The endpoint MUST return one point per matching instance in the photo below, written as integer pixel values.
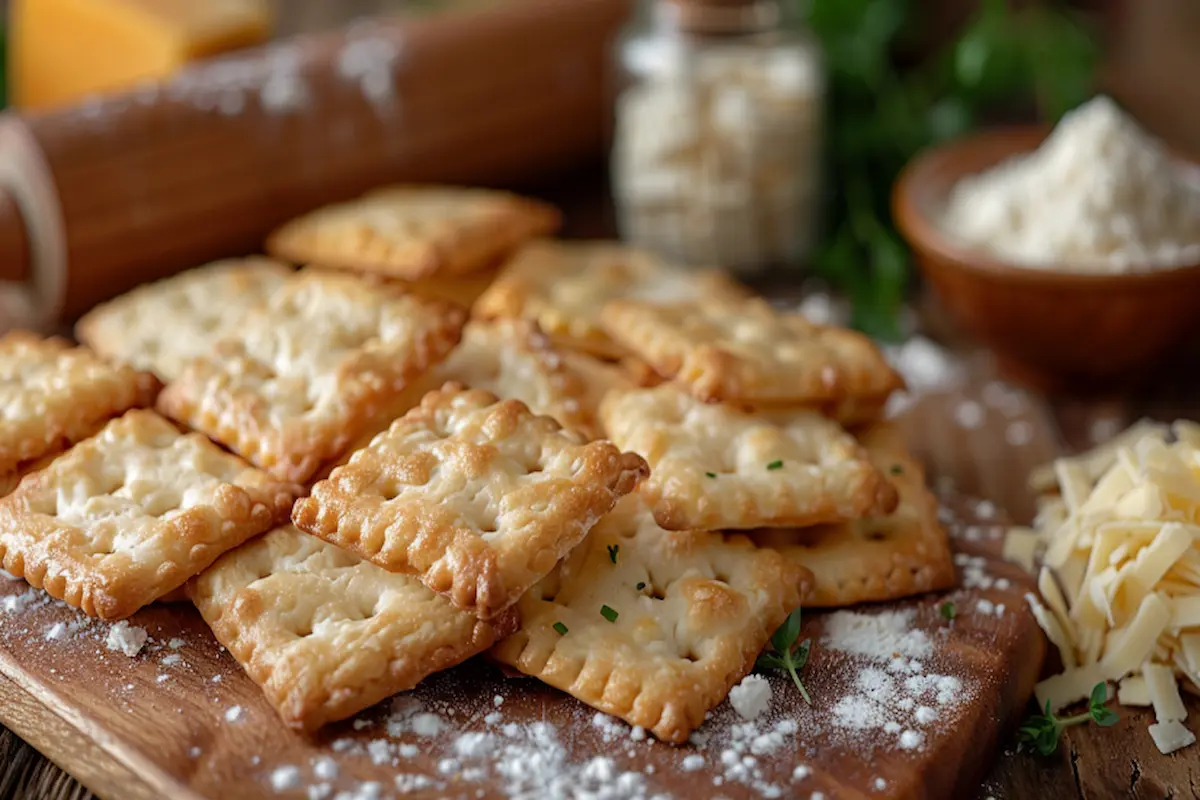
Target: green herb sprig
(786, 654)
(613, 551)
(1042, 731)
(948, 611)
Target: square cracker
(747, 352)
(713, 466)
(876, 558)
(415, 232)
(53, 395)
(478, 496)
(563, 285)
(304, 375)
(130, 514)
(162, 326)
(693, 611)
(326, 634)
(510, 359)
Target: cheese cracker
(326, 634)
(876, 558)
(130, 514)
(53, 395)
(746, 352)
(563, 285)
(476, 495)
(303, 376)
(415, 232)
(162, 326)
(650, 625)
(715, 467)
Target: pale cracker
(693, 610)
(715, 467)
(306, 374)
(415, 232)
(476, 495)
(876, 558)
(53, 395)
(510, 359)
(326, 634)
(130, 514)
(747, 352)
(597, 378)
(563, 285)
(161, 326)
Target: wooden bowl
(1056, 329)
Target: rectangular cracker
(307, 373)
(326, 634)
(747, 352)
(713, 466)
(510, 359)
(693, 610)
(130, 514)
(161, 326)
(53, 395)
(563, 285)
(476, 495)
(876, 558)
(415, 232)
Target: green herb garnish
(613, 549)
(562, 629)
(1042, 731)
(711, 474)
(775, 465)
(609, 614)
(641, 585)
(897, 469)
(948, 611)
(786, 653)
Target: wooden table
(980, 461)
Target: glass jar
(717, 134)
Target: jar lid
(723, 16)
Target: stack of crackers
(611, 473)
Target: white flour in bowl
(1099, 195)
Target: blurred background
(787, 172)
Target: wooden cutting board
(180, 720)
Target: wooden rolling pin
(100, 197)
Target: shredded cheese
(1119, 585)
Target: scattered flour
(234, 714)
(927, 367)
(127, 638)
(285, 778)
(751, 697)
(876, 636)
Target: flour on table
(285, 778)
(751, 697)
(126, 638)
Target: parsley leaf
(562, 629)
(613, 549)
(775, 465)
(948, 611)
(608, 613)
(786, 654)
(711, 474)
(1042, 731)
(897, 469)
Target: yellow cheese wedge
(64, 50)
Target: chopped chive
(711, 474)
(608, 613)
(897, 469)
(560, 628)
(775, 465)
(948, 611)
(641, 585)
(613, 549)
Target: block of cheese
(64, 50)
